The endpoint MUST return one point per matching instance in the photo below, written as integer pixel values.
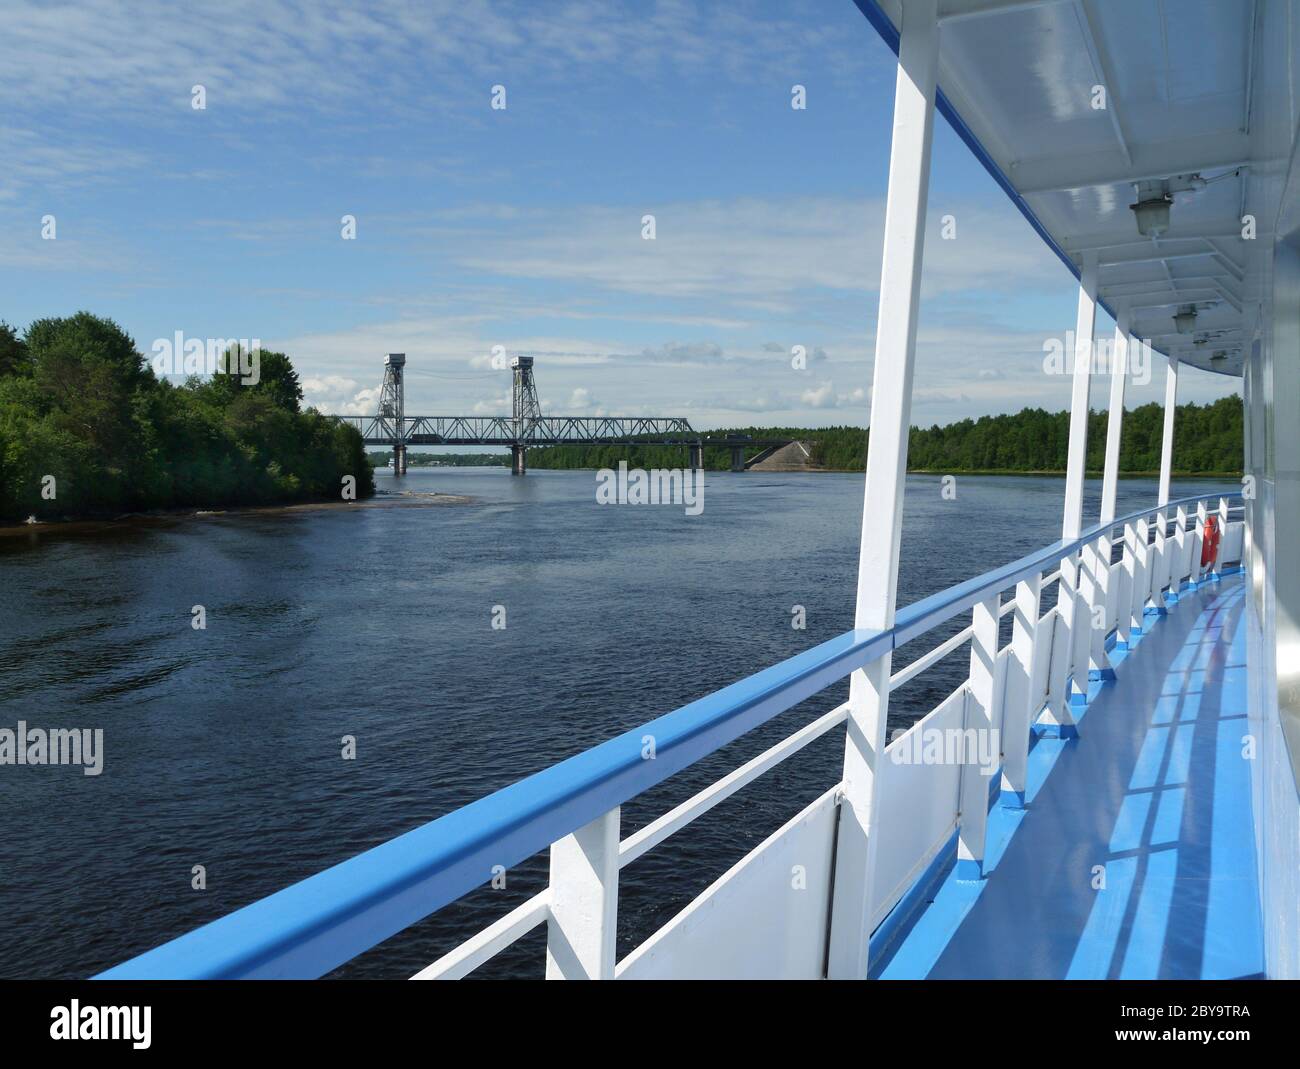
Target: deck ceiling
(1179, 79)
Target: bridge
(527, 426)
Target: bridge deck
(1156, 789)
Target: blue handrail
(314, 926)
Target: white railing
(770, 914)
(1006, 690)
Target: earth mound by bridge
(794, 456)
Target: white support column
(1018, 703)
(584, 902)
(1104, 579)
(882, 506)
(1160, 573)
(974, 794)
(1071, 613)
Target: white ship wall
(1272, 395)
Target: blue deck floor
(1155, 792)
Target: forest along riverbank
(1207, 438)
(90, 430)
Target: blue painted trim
(900, 919)
(314, 926)
(1187, 905)
(1013, 799)
(1106, 675)
(968, 870)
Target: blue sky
(519, 227)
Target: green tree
(13, 352)
(276, 379)
(78, 402)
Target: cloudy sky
(518, 227)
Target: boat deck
(1156, 790)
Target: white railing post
(1160, 573)
(1019, 702)
(1123, 600)
(882, 506)
(1198, 540)
(1071, 611)
(1141, 578)
(1105, 592)
(1180, 562)
(1160, 562)
(1092, 592)
(583, 923)
(1223, 531)
(979, 717)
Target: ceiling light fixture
(1155, 196)
(1185, 319)
(1152, 215)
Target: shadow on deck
(1153, 798)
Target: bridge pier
(737, 458)
(399, 458)
(518, 464)
(696, 456)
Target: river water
(222, 746)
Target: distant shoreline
(1088, 474)
(959, 471)
(163, 517)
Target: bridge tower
(392, 407)
(526, 412)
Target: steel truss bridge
(528, 427)
(505, 430)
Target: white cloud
(339, 396)
(580, 400)
(495, 406)
(825, 396)
(101, 53)
(822, 396)
(757, 253)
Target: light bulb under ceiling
(1152, 215)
